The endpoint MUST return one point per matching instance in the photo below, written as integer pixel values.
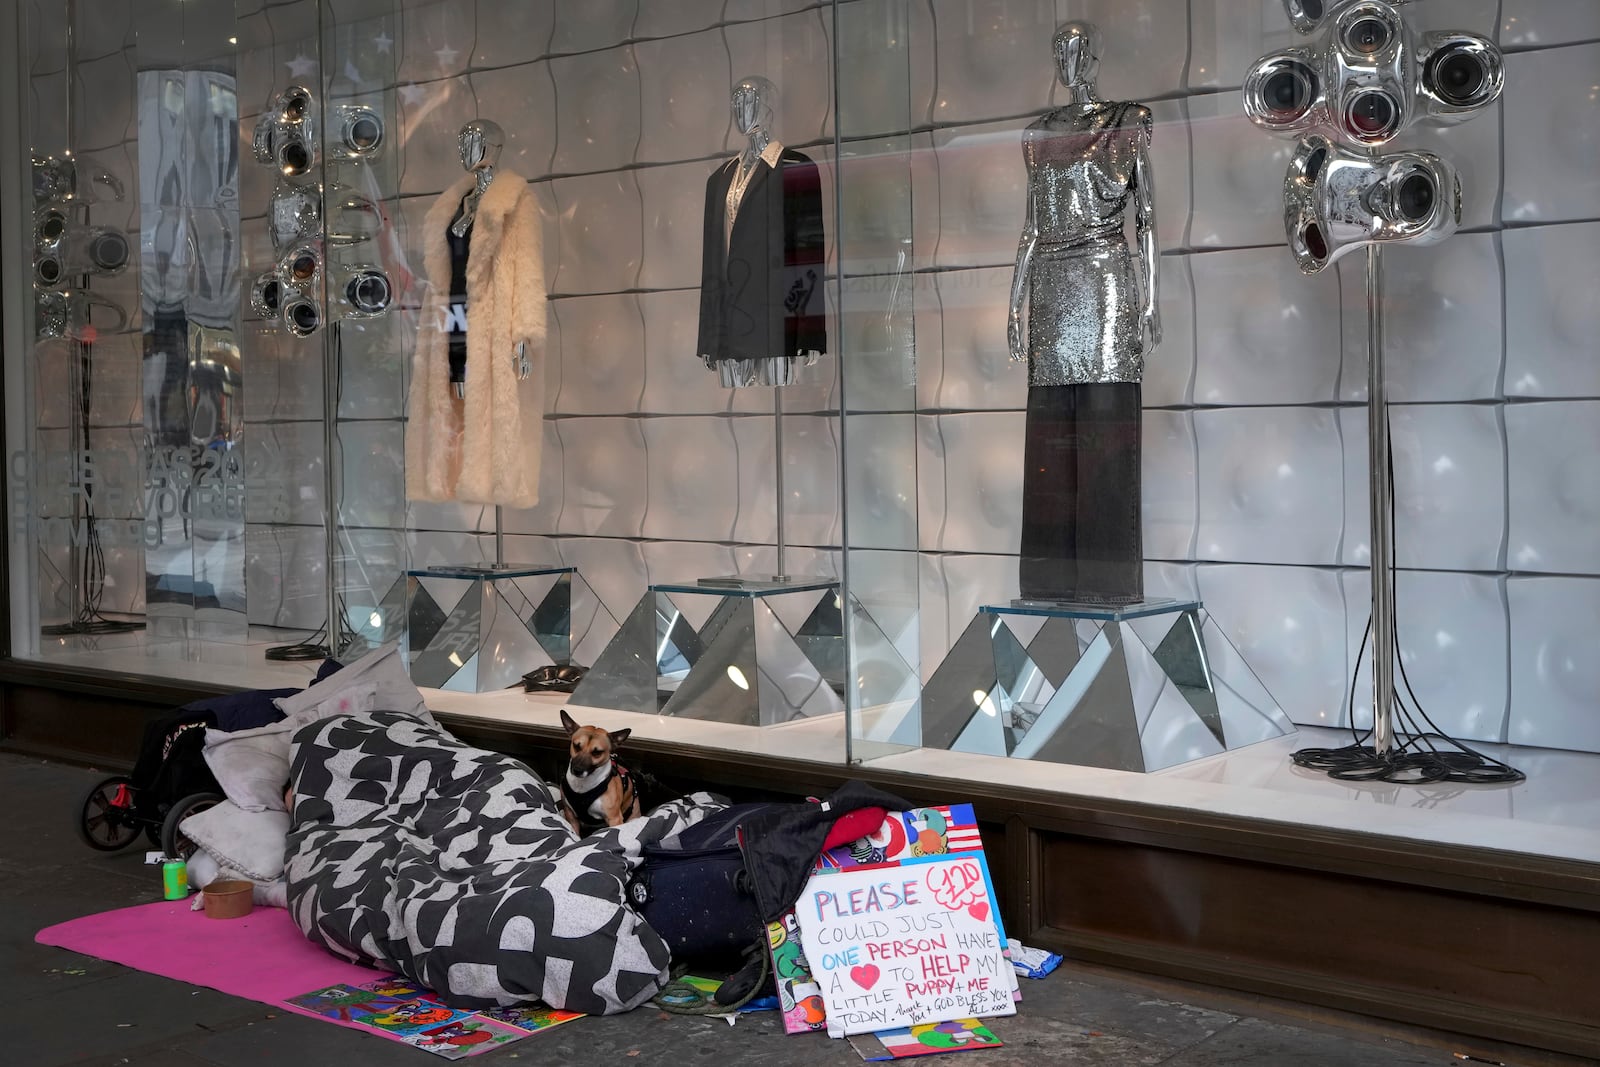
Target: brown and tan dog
(596, 790)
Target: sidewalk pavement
(71, 1009)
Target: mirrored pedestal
(1134, 687)
(479, 629)
(760, 654)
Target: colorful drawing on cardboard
(470, 1035)
(931, 831)
(930, 1039)
(414, 1016)
(799, 996)
(351, 1004)
(531, 1019)
(399, 1009)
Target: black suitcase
(698, 896)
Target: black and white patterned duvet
(451, 865)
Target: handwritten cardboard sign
(900, 945)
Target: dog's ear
(566, 720)
(619, 736)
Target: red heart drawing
(979, 911)
(865, 976)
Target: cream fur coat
(486, 448)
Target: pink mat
(262, 956)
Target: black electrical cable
(299, 652)
(309, 649)
(91, 579)
(1418, 760)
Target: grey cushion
(253, 765)
(385, 668)
(250, 842)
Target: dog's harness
(582, 802)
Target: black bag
(698, 896)
(171, 763)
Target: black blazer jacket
(761, 292)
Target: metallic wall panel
(530, 135)
(1449, 469)
(1551, 320)
(602, 356)
(673, 236)
(1550, 174)
(1265, 475)
(1280, 347)
(601, 230)
(594, 26)
(597, 130)
(982, 189)
(1554, 671)
(1554, 502)
(693, 478)
(436, 40)
(685, 114)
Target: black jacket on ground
(761, 292)
(781, 844)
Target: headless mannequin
(1092, 317)
(480, 142)
(753, 103)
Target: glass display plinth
(499, 570)
(1133, 687)
(477, 628)
(1080, 609)
(753, 656)
(758, 583)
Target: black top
(456, 311)
(761, 290)
(581, 802)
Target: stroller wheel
(173, 843)
(104, 824)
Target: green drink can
(175, 879)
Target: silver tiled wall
(1255, 483)
(1255, 471)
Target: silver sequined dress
(1083, 293)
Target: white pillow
(250, 842)
(253, 765)
(384, 667)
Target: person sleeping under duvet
(245, 836)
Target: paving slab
(1259, 1043)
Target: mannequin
(761, 302)
(480, 143)
(1091, 319)
(476, 426)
